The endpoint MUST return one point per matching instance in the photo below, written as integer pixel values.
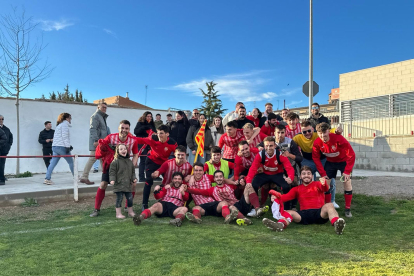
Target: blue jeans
(96, 165)
(311, 164)
(55, 160)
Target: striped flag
(199, 139)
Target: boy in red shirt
(339, 157)
(293, 127)
(313, 208)
(172, 198)
(230, 140)
(161, 148)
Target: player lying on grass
(312, 205)
(224, 192)
(171, 204)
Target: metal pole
(146, 90)
(310, 60)
(75, 179)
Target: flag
(199, 139)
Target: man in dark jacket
(317, 117)
(194, 120)
(242, 120)
(97, 130)
(46, 139)
(4, 147)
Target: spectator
(285, 112)
(144, 127)
(317, 117)
(98, 162)
(61, 145)
(233, 114)
(97, 130)
(158, 121)
(208, 141)
(179, 128)
(194, 120)
(255, 117)
(46, 139)
(242, 120)
(169, 119)
(268, 110)
(217, 129)
(5, 146)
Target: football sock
(240, 215)
(264, 193)
(180, 216)
(196, 213)
(284, 223)
(333, 220)
(225, 211)
(254, 200)
(100, 195)
(328, 198)
(348, 199)
(146, 213)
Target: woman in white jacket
(217, 129)
(61, 145)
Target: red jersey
(218, 166)
(159, 152)
(270, 166)
(255, 121)
(311, 196)
(244, 163)
(224, 193)
(231, 144)
(172, 195)
(131, 142)
(290, 133)
(169, 167)
(257, 140)
(204, 183)
(336, 150)
(268, 130)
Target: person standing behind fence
(4, 149)
(60, 145)
(46, 139)
(144, 127)
(97, 130)
(158, 121)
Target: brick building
(122, 102)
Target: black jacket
(44, 135)
(6, 147)
(179, 132)
(264, 119)
(208, 139)
(321, 119)
(3, 138)
(241, 123)
(141, 128)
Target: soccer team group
(277, 160)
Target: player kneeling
(311, 197)
(172, 202)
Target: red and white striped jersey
(244, 163)
(204, 183)
(231, 144)
(257, 140)
(169, 167)
(290, 133)
(174, 196)
(130, 142)
(225, 193)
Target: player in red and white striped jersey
(178, 164)
(172, 198)
(230, 141)
(122, 137)
(244, 160)
(293, 127)
(253, 135)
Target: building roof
(122, 102)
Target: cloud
(108, 31)
(49, 25)
(293, 104)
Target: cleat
(244, 222)
(94, 214)
(252, 213)
(348, 213)
(193, 218)
(339, 226)
(260, 211)
(273, 225)
(335, 205)
(138, 219)
(232, 216)
(176, 222)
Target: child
(122, 176)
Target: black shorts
(312, 216)
(105, 177)
(211, 208)
(243, 206)
(168, 209)
(229, 160)
(331, 168)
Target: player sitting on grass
(172, 202)
(312, 205)
(224, 192)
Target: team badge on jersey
(165, 149)
(276, 162)
(333, 147)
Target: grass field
(378, 240)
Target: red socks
(328, 198)
(126, 202)
(264, 193)
(196, 213)
(254, 200)
(348, 199)
(225, 211)
(146, 213)
(333, 220)
(284, 223)
(240, 215)
(180, 216)
(100, 195)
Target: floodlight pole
(310, 60)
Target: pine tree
(43, 97)
(52, 96)
(80, 97)
(212, 105)
(77, 96)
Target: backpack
(264, 156)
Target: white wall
(33, 114)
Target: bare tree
(19, 60)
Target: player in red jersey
(172, 198)
(106, 146)
(339, 157)
(230, 140)
(161, 148)
(269, 127)
(253, 135)
(313, 208)
(244, 160)
(293, 127)
(178, 164)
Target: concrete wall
(377, 81)
(394, 153)
(33, 114)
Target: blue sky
(257, 51)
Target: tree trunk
(18, 135)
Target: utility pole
(310, 59)
(277, 104)
(146, 90)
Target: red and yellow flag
(199, 139)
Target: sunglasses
(196, 113)
(315, 107)
(307, 131)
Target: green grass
(378, 240)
